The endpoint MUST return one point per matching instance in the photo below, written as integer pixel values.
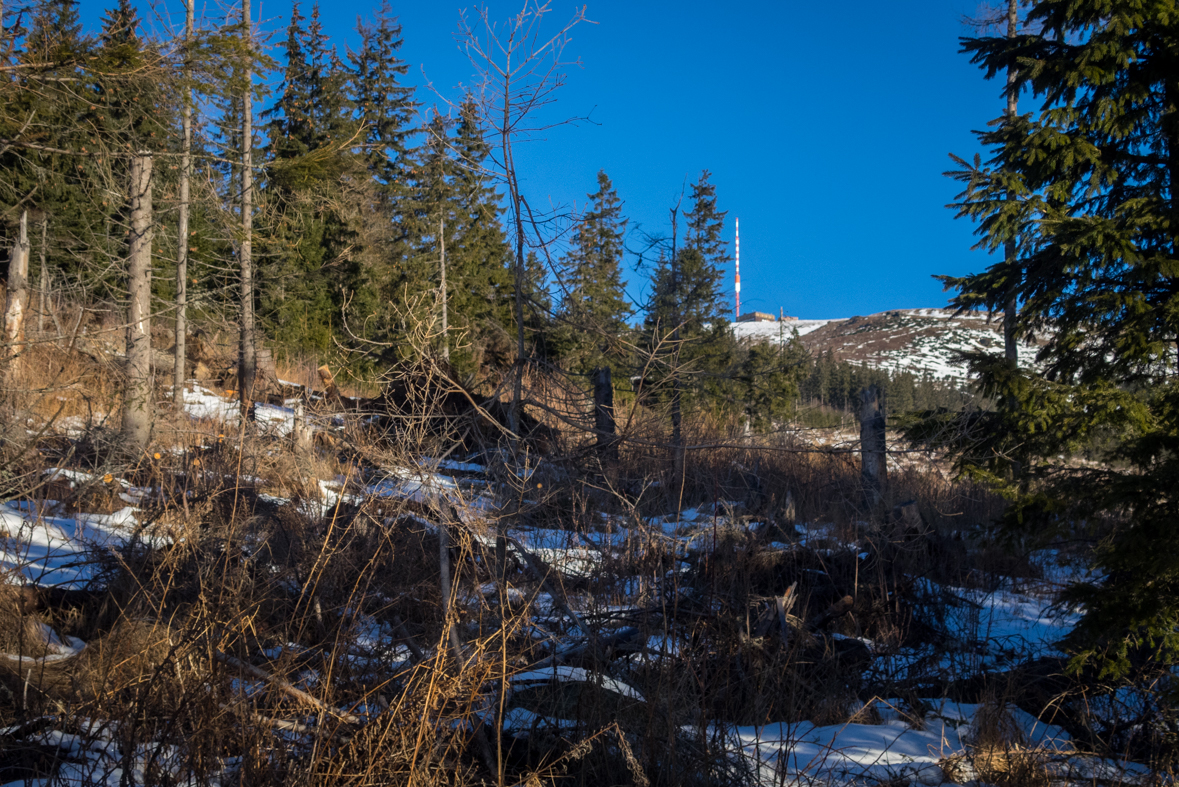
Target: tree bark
(17, 304)
(873, 463)
(1010, 306)
(43, 285)
(444, 580)
(181, 333)
(445, 326)
(137, 408)
(3, 36)
(300, 430)
(677, 416)
(518, 267)
(604, 414)
(247, 355)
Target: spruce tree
(130, 112)
(1086, 186)
(594, 307)
(386, 110)
(769, 378)
(310, 263)
(44, 105)
(384, 106)
(431, 210)
(687, 324)
(479, 257)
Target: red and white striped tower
(737, 315)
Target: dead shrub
(23, 634)
(999, 750)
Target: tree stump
(873, 460)
(604, 414)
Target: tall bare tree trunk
(445, 326)
(518, 226)
(501, 541)
(677, 416)
(43, 285)
(181, 350)
(518, 383)
(247, 355)
(1010, 307)
(137, 409)
(17, 304)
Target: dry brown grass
(22, 632)
(999, 751)
(276, 637)
(56, 385)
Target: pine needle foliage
(1085, 186)
(594, 308)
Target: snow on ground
(776, 331)
(200, 402)
(58, 551)
(935, 337)
(933, 352)
(419, 485)
(203, 403)
(919, 341)
(94, 756)
(983, 631)
(901, 751)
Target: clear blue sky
(826, 127)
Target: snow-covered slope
(921, 341)
(771, 331)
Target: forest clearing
(334, 450)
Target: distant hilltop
(921, 341)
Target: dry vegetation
(258, 626)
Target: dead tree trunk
(137, 408)
(873, 467)
(300, 429)
(247, 351)
(181, 333)
(445, 317)
(444, 579)
(17, 304)
(677, 416)
(604, 414)
(43, 285)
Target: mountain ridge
(920, 341)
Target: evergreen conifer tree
(687, 318)
(310, 266)
(385, 109)
(43, 105)
(594, 308)
(384, 106)
(1087, 187)
(130, 112)
(769, 377)
(478, 253)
